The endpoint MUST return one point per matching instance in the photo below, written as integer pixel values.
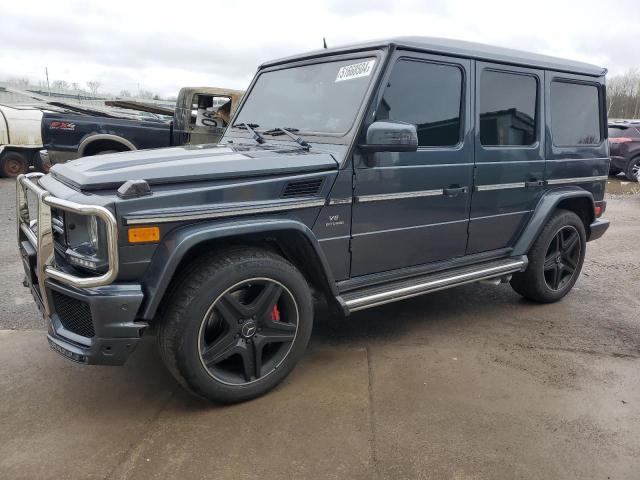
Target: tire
(547, 259)
(227, 310)
(632, 171)
(13, 164)
(106, 152)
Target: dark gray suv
(368, 174)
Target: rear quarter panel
(565, 165)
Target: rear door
(509, 154)
(412, 208)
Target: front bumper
(57, 156)
(90, 319)
(95, 326)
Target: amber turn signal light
(144, 234)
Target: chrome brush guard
(39, 233)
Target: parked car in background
(201, 116)
(624, 148)
(20, 139)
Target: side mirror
(390, 136)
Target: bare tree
(19, 82)
(623, 95)
(146, 94)
(125, 93)
(60, 85)
(93, 86)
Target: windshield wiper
(289, 132)
(250, 127)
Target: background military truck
(201, 116)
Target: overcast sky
(162, 46)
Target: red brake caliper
(275, 314)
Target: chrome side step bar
(400, 290)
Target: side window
(507, 109)
(575, 114)
(428, 95)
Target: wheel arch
(291, 239)
(574, 199)
(90, 142)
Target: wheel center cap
(248, 329)
(559, 259)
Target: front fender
(173, 249)
(543, 211)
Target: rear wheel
(236, 324)
(632, 172)
(13, 164)
(555, 260)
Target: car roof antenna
(324, 42)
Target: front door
(412, 208)
(509, 154)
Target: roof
(459, 48)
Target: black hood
(189, 163)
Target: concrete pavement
(470, 383)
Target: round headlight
(93, 232)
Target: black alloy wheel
(555, 259)
(562, 258)
(235, 323)
(248, 331)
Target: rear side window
(507, 109)
(428, 95)
(575, 114)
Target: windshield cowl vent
(303, 188)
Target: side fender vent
(303, 188)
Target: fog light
(81, 262)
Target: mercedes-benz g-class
(388, 170)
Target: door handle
(533, 183)
(454, 190)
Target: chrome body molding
(222, 212)
(339, 201)
(433, 285)
(559, 181)
(500, 186)
(398, 196)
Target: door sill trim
(367, 298)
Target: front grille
(75, 315)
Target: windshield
(324, 97)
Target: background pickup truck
(201, 116)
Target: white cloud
(162, 46)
